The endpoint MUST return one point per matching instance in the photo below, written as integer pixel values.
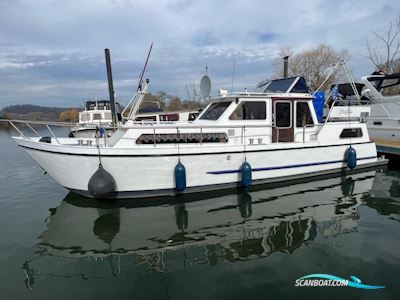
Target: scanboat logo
(331, 280)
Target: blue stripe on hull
(287, 166)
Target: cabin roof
(261, 96)
(296, 84)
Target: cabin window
(169, 117)
(97, 117)
(85, 117)
(303, 114)
(146, 118)
(283, 114)
(193, 116)
(351, 133)
(187, 138)
(279, 86)
(300, 86)
(215, 110)
(250, 110)
(377, 123)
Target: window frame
(309, 110)
(209, 107)
(243, 102)
(97, 116)
(359, 132)
(291, 113)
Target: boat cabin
(284, 110)
(97, 112)
(98, 105)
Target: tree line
(314, 64)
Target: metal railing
(134, 104)
(46, 125)
(245, 136)
(347, 104)
(245, 132)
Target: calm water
(248, 245)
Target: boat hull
(384, 121)
(139, 174)
(264, 183)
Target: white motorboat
(93, 120)
(97, 116)
(384, 93)
(377, 99)
(238, 140)
(97, 113)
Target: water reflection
(247, 225)
(385, 195)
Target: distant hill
(32, 112)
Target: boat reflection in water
(384, 196)
(224, 228)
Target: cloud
(205, 39)
(52, 53)
(266, 37)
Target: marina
(253, 153)
(256, 182)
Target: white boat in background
(97, 113)
(132, 112)
(383, 91)
(376, 99)
(238, 140)
(167, 116)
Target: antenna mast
(144, 69)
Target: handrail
(352, 102)
(134, 104)
(47, 126)
(192, 126)
(152, 127)
(303, 132)
(242, 137)
(16, 128)
(34, 131)
(263, 94)
(51, 123)
(27, 123)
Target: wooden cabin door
(282, 125)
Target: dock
(391, 150)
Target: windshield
(387, 85)
(215, 110)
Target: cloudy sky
(52, 52)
